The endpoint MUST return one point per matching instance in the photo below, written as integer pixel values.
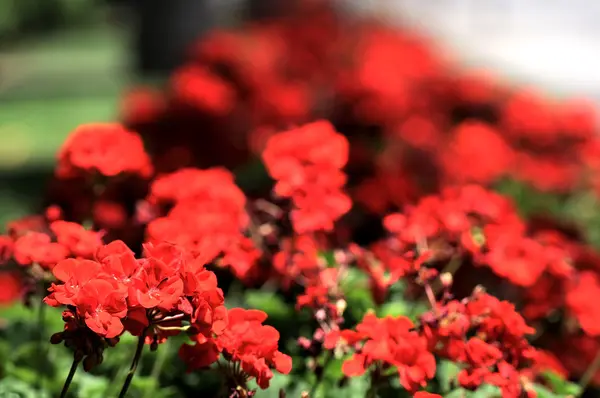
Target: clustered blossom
(387, 342)
(45, 245)
(306, 163)
(152, 296)
(206, 214)
(245, 341)
(498, 353)
(470, 221)
(386, 161)
(99, 148)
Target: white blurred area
(553, 45)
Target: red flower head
(38, 248)
(79, 241)
(104, 148)
(476, 154)
(203, 90)
(580, 301)
(307, 163)
(102, 305)
(253, 344)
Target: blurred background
(65, 62)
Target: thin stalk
(161, 357)
(134, 364)
(69, 379)
(326, 361)
(589, 374)
(41, 331)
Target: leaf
(90, 386)
(358, 295)
(11, 387)
(270, 303)
(446, 374)
(357, 387)
(561, 386)
(486, 391)
(457, 393)
(333, 370)
(543, 392)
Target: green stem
(589, 374)
(41, 331)
(328, 358)
(67, 384)
(161, 357)
(134, 364)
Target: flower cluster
(474, 223)
(487, 337)
(151, 298)
(382, 212)
(206, 215)
(250, 345)
(98, 148)
(387, 342)
(306, 163)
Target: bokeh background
(67, 62)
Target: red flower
(425, 394)
(74, 274)
(141, 105)
(580, 301)
(190, 184)
(519, 259)
(38, 248)
(306, 163)
(203, 90)
(393, 342)
(199, 355)
(6, 249)
(102, 305)
(11, 287)
(101, 148)
(481, 354)
(79, 241)
(477, 153)
(156, 285)
(253, 344)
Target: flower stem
(161, 357)
(41, 334)
(589, 374)
(134, 364)
(69, 379)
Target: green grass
(32, 131)
(51, 85)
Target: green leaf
(91, 386)
(270, 303)
(446, 374)
(396, 308)
(457, 393)
(357, 387)
(358, 294)
(15, 388)
(543, 392)
(486, 391)
(561, 386)
(333, 370)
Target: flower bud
(340, 306)
(321, 315)
(304, 343)
(56, 338)
(446, 279)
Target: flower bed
(314, 207)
